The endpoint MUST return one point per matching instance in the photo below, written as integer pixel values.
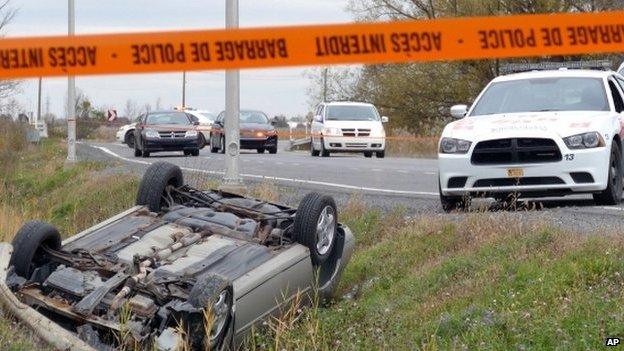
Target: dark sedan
(256, 132)
(166, 131)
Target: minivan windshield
(351, 113)
(179, 118)
(543, 94)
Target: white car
(533, 134)
(205, 119)
(348, 127)
(125, 134)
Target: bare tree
(7, 87)
(131, 110)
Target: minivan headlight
(584, 141)
(454, 146)
(190, 134)
(332, 131)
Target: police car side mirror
(459, 111)
(384, 119)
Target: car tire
(368, 154)
(222, 145)
(273, 150)
(129, 139)
(453, 203)
(315, 226)
(612, 195)
(313, 152)
(28, 245)
(187, 152)
(154, 184)
(260, 150)
(381, 154)
(195, 152)
(145, 154)
(201, 141)
(218, 293)
(324, 152)
(213, 149)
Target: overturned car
(184, 264)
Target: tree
(7, 87)
(131, 109)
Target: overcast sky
(271, 90)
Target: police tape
(367, 43)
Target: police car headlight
(150, 133)
(190, 134)
(454, 146)
(584, 141)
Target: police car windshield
(543, 94)
(179, 118)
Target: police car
(538, 133)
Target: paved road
(383, 183)
(398, 176)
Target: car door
(617, 86)
(317, 125)
(217, 129)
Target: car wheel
(260, 150)
(313, 152)
(612, 195)
(452, 203)
(315, 226)
(145, 154)
(324, 152)
(129, 139)
(381, 154)
(155, 183)
(222, 145)
(273, 150)
(201, 141)
(28, 246)
(195, 152)
(187, 152)
(368, 154)
(216, 295)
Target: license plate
(515, 172)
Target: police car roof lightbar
(542, 66)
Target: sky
(275, 91)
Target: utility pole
(38, 104)
(325, 84)
(71, 93)
(232, 180)
(183, 90)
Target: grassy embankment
(484, 281)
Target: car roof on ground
(572, 73)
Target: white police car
(534, 134)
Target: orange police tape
(300, 135)
(386, 42)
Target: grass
(482, 281)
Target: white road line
(431, 173)
(403, 171)
(611, 208)
(376, 170)
(281, 179)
